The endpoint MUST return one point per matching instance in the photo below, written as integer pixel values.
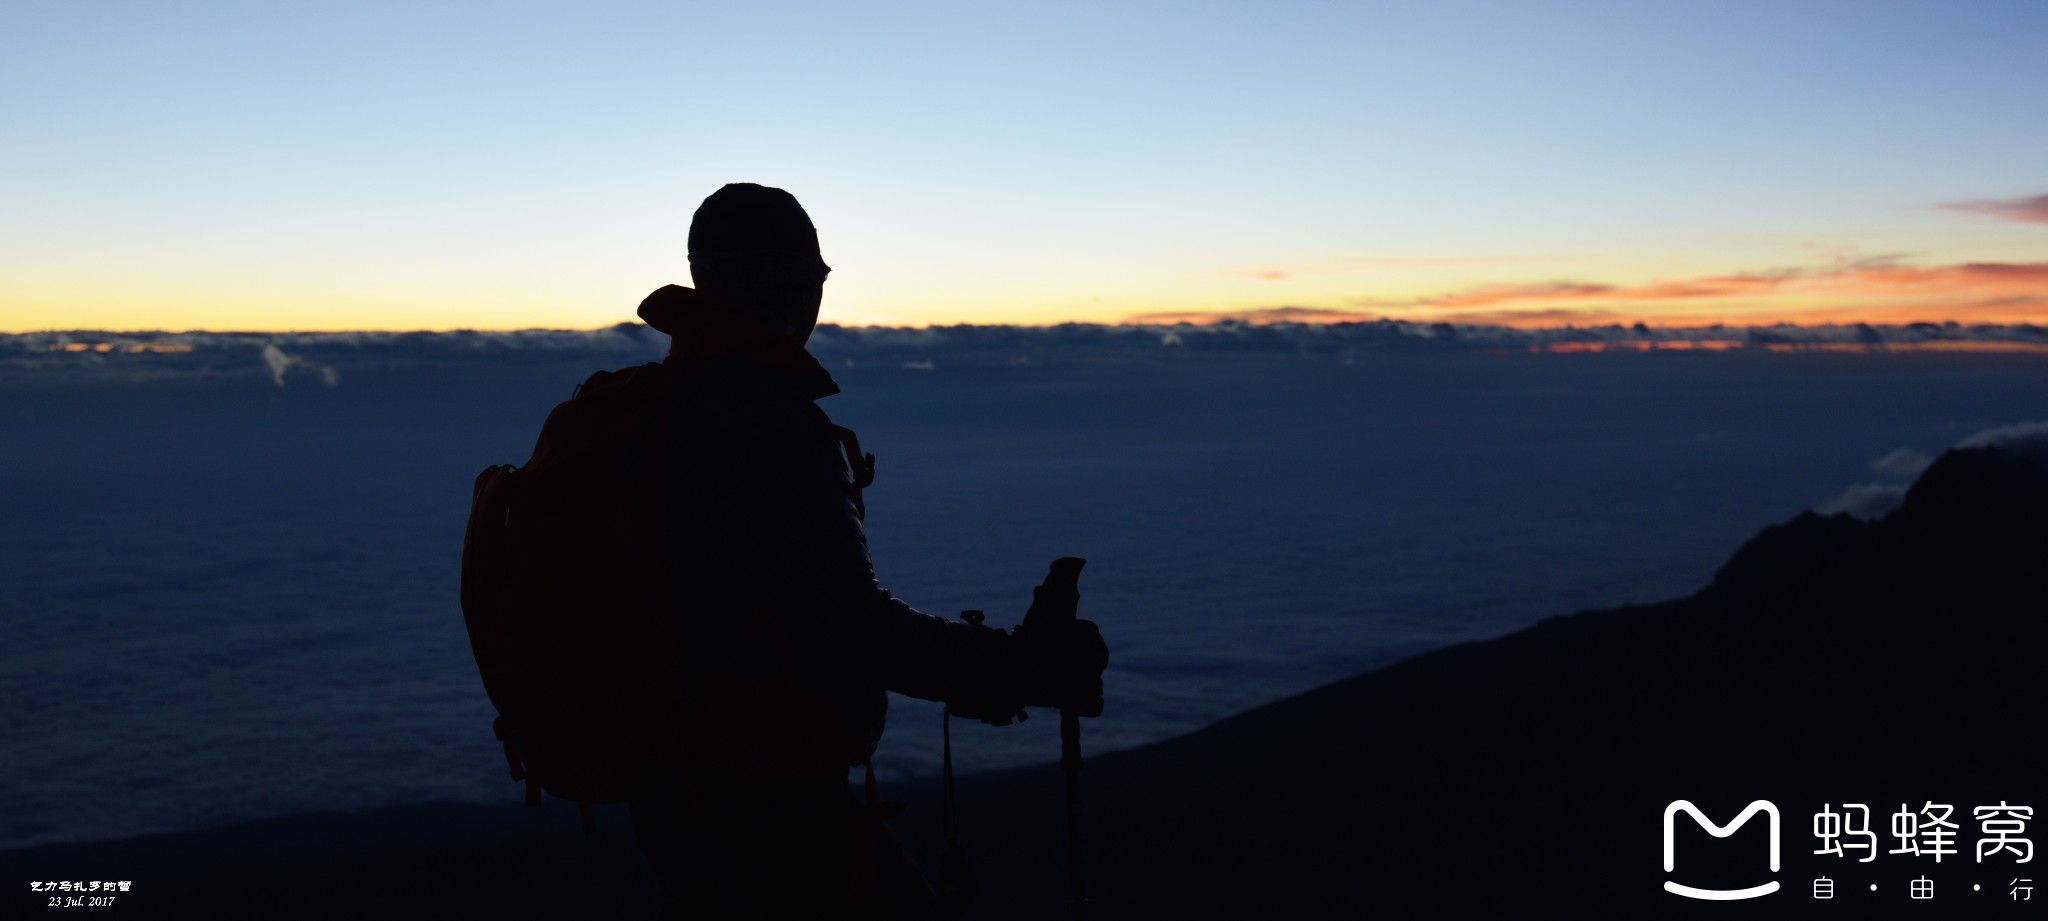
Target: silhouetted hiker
(787, 642)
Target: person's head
(755, 247)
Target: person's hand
(1054, 667)
(1060, 666)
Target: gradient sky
(272, 166)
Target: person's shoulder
(755, 406)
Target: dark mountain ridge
(1830, 660)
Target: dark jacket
(789, 637)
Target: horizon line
(1223, 320)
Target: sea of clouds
(326, 354)
(228, 577)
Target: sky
(317, 166)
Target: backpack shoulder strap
(862, 465)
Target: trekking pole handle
(1056, 601)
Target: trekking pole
(1054, 605)
(1070, 765)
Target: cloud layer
(1868, 289)
(1288, 332)
(2029, 210)
(1901, 466)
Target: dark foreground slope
(1831, 661)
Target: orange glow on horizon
(1723, 345)
(1566, 319)
(1875, 293)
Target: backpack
(575, 642)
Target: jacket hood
(706, 330)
